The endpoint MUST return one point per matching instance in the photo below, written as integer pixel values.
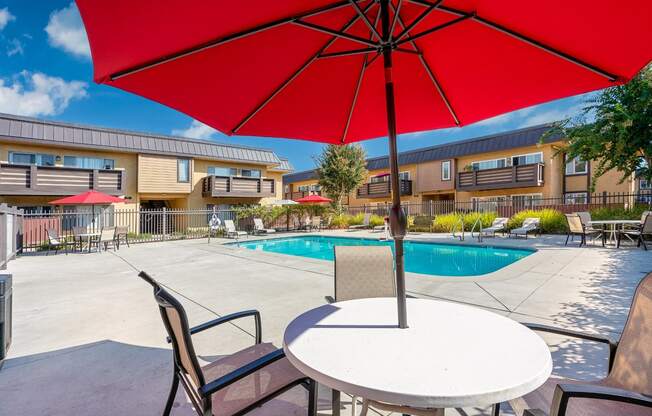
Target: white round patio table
(451, 355)
(611, 227)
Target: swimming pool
(420, 257)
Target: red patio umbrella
(340, 71)
(313, 199)
(91, 198)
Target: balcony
(383, 189)
(300, 194)
(238, 187)
(501, 178)
(55, 180)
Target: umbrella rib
(397, 13)
(224, 39)
(336, 33)
(418, 19)
(365, 19)
(294, 75)
(355, 99)
(435, 29)
(432, 77)
(348, 52)
(530, 41)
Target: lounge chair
(121, 232)
(259, 227)
(365, 223)
(529, 225)
(499, 224)
(577, 227)
(231, 231)
(56, 242)
(107, 236)
(639, 233)
(627, 388)
(232, 385)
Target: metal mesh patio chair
(232, 385)
(57, 242)
(107, 236)
(121, 233)
(577, 227)
(627, 388)
(639, 233)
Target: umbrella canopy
(340, 71)
(281, 202)
(87, 198)
(313, 199)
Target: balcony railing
(238, 187)
(56, 180)
(300, 194)
(501, 178)
(383, 189)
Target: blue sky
(46, 72)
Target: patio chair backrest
(631, 367)
(76, 231)
(574, 223)
(258, 224)
(107, 233)
(121, 230)
(646, 224)
(316, 221)
(53, 236)
(364, 272)
(530, 223)
(229, 225)
(585, 217)
(176, 324)
(499, 222)
(645, 214)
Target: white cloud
(196, 130)
(38, 94)
(14, 47)
(66, 31)
(5, 17)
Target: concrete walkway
(88, 338)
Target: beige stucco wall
(428, 177)
(158, 175)
(126, 161)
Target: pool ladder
(477, 223)
(459, 225)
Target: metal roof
(56, 133)
(502, 141)
(285, 165)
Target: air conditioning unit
(5, 316)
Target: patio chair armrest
(241, 372)
(613, 346)
(227, 318)
(565, 392)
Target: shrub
(445, 223)
(356, 219)
(619, 213)
(486, 219)
(551, 220)
(340, 221)
(422, 223)
(376, 220)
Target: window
(645, 184)
(183, 170)
(250, 173)
(88, 162)
(303, 188)
(576, 166)
(385, 177)
(526, 200)
(446, 170)
(221, 171)
(40, 159)
(315, 188)
(488, 203)
(489, 164)
(527, 159)
(575, 198)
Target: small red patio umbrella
(91, 198)
(340, 71)
(313, 199)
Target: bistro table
(451, 355)
(86, 236)
(611, 227)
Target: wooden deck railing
(501, 178)
(383, 189)
(238, 186)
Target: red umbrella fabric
(313, 199)
(87, 198)
(270, 68)
(341, 71)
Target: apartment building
(520, 165)
(43, 160)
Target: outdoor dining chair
(107, 236)
(121, 233)
(57, 242)
(627, 388)
(577, 227)
(639, 233)
(235, 384)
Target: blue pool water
(420, 257)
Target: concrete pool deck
(88, 338)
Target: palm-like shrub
(551, 220)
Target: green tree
(620, 135)
(341, 170)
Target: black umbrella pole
(397, 218)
